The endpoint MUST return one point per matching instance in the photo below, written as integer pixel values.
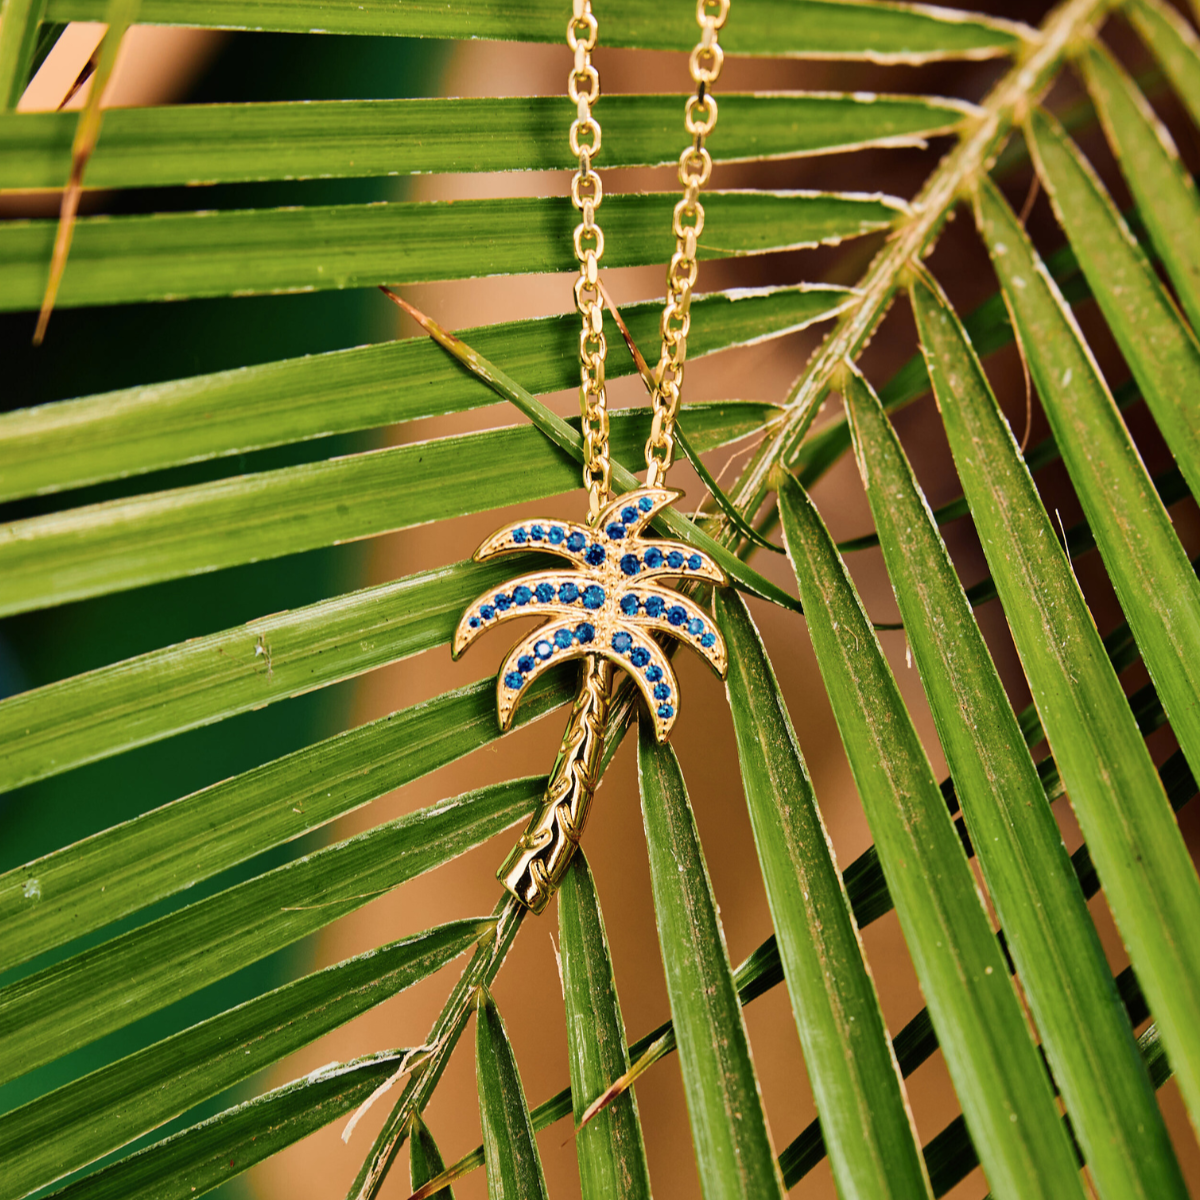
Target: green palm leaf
(729, 1133)
(139, 481)
(1065, 975)
(157, 147)
(1152, 888)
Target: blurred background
(93, 350)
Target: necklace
(606, 606)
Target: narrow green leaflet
(74, 1125)
(1160, 348)
(425, 1160)
(204, 1156)
(858, 1093)
(729, 1131)
(951, 1157)
(1049, 931)
(1166, 195)
(800, 28)
(127, 543)
(1174, 44)
(1131, 833)
(1156, 585)
(995, 1067)
(156, 695)
(104, 988)
(233, 143)
(18, 36)
(83, 887)
(612, 1155)
(514, 1168)
(172, 256)
(66, 444)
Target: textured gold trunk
(534, 869)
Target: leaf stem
(914, 236)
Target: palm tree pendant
(603, 610)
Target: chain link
(583, 86)
(695, 167)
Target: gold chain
(695, 167)
(583, 86)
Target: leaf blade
(995, 1068)
(856, 1085)
(1165, 193)
(1162, 352)
(611, 1152)
(1174, 43)
(204, 1156)
(1047, 927)
(1157, 588)
(733, 1148)
(233, 143)
(76, 1001)
(514, 1167)
(1128, 825)
(809, 28)
(122, 260)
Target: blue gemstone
(655, 606)
(640, 657)
(629, 604)
(661, 691)
(675, 560)
(487, 612)
(518, 535)
(615, 531)
(653, 557)
(695, 562)
(536, 532)
(543, 649)
(585, 633)
(522, 595)
(645, 504)
(630, 564)
(514, 679)
(622, 643)
(595, 554)
(544, 592)
(568, 593)
(503, 601)
(695, 627)
(677, 614)
(576, 541)
(665, 711)
(525, 663)
(593, 596)
(562, 639)
(474, 622)
(709, 639)
(628, 513)
(557, 533)
(654, 674)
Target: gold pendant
(602, 610)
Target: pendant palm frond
(609, 604)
